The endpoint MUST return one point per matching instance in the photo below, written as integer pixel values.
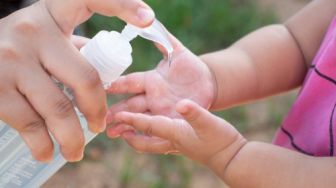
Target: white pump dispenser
(110, 54)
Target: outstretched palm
(157, 91)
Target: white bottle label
(17, 166)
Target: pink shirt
(310, 125)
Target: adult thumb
(70, 13)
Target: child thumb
(199, 118)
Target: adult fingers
(67, 65)
(70, 13)
(55, 108)
(146, 144)
(136, 103)
(135, 12)
(79, 41)
(133, 83)
(28, 123)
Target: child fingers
(159, 126)
(118, 130)
(114, 131)
(199, 118)
(147, 144)
(133, 83)
(133, 104)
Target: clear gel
(155, 32)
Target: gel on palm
(110, 54)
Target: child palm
(157, 91)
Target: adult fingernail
(75, 156)
(146, 15)
(96, 129)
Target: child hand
(201, 136)
(186, 77)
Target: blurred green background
(202, 26)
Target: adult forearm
(264, 165)
(263, 63)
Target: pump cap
(110, 54)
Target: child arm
(272, 59)
(215, 143)
(265, 165)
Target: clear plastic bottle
(110, 54)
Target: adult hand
(36, 45)
(157, 91)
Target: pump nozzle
(155, 32)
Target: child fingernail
(112, 134)
(184, 109)
(75, 156)
(113, 88)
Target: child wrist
(214, 84)
(219, 162)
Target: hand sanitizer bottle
(110, 54)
